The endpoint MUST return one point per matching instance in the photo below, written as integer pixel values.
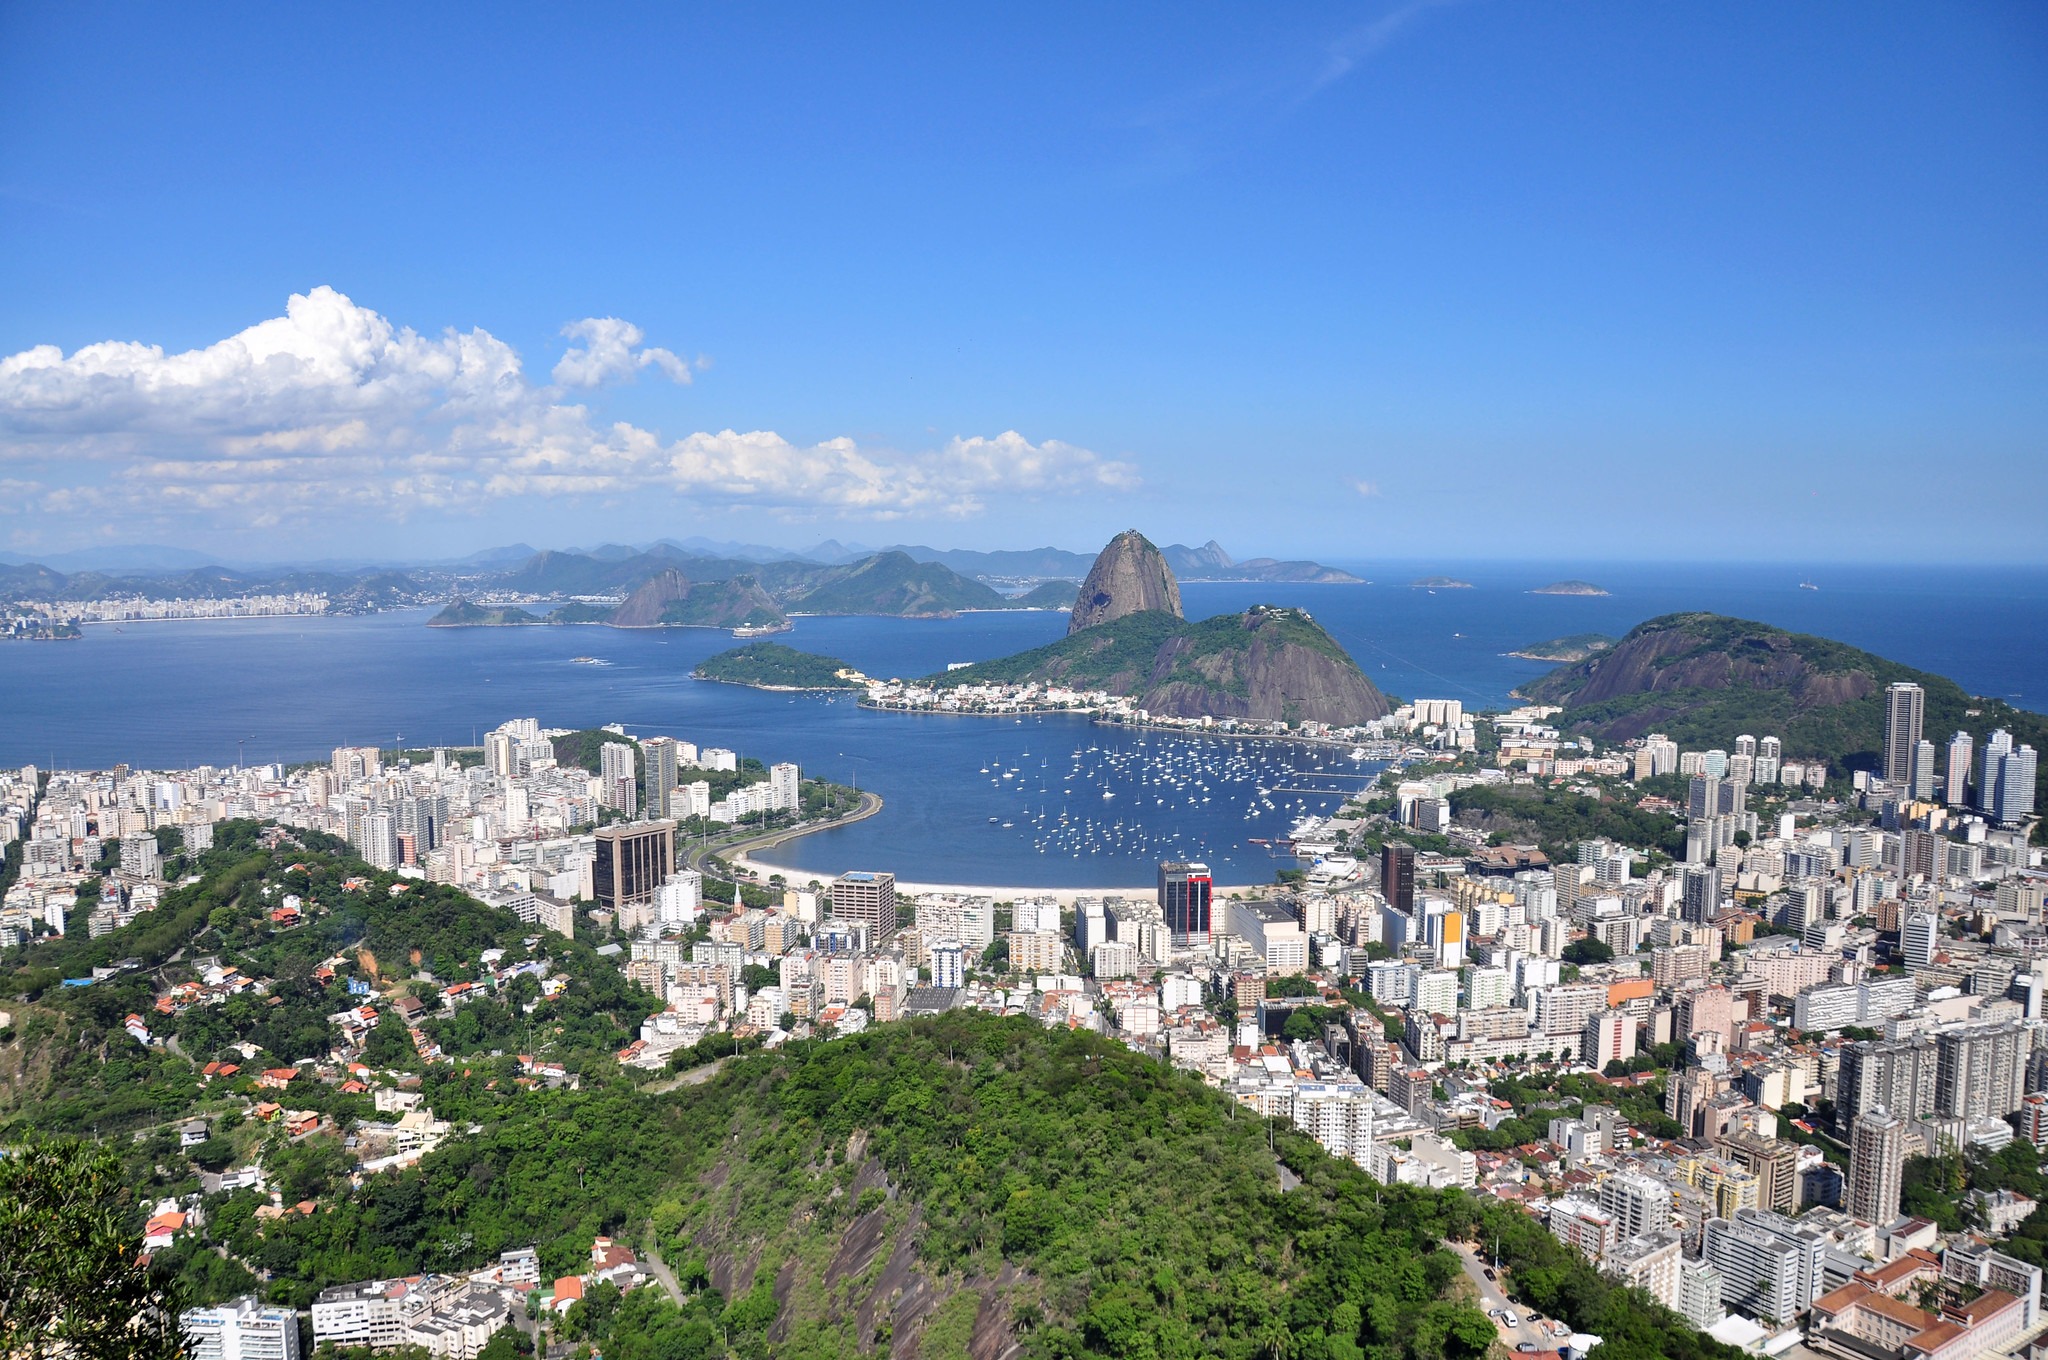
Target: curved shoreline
(741, 856)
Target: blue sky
(1458, 280)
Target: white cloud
(611, 349)
(333, 408)
(1366, 489)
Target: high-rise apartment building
(1923, 855)
(1917, 938)
(866, 899)
(1922, 779)
(1980, 1070)
(1877, 1161)
(241, 1329)
(1905, 709)
(785, 783)
(1760, 1274)
(1701, 899)
(662, 767)
(1961, 757)
(633, 860)
(1397, 876)
(1889, 1074)
(1185, 892)
(617, 768)
(2005, 788)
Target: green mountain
(1704, 679)
(1266, 663)
(584, 749)
(770, 665)
(892, 583)
(959, 1185)
(1047, 595)
(673, 600)
(461, 613)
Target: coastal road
(1493, 1300)
(870, 804)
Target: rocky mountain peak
(1130, 576)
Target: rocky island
(1570, 588)
(461, 613)
(1128, 637)
(1439, 583)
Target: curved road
(870, 804)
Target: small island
(1439, 583)
(770, 665)
(1569, 588)
(462, 613)
(1577, 647)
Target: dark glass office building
(1184, 893)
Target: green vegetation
(1559, 819)
(70, 1278)
(87, 1073)
(738, 603)
(893, 583)
(1576, 647)
(1048, 595)
(770, 665)
(1702, 679)
(1570, 588)
(461, 613)
(1230, 665)
(583, 749)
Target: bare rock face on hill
(1130, 576)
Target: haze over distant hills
(1207, 562)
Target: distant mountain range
(1209, 562)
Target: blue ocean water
(178, 694)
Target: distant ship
(1808, 585)
(589, 661)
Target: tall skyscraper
(1960, 758)
(1877, 1160)
(633, 859)
(866, 899)
(660, 753)
(1397, 876)
(618, 769)
(1185, 890)
(2005, 780)
(1702, 894)
(1905, 707)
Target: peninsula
(1128, 638)
(770, 665)
(1577, 647)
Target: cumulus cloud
(333, 407)
(611, 349)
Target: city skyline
(724, 275)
